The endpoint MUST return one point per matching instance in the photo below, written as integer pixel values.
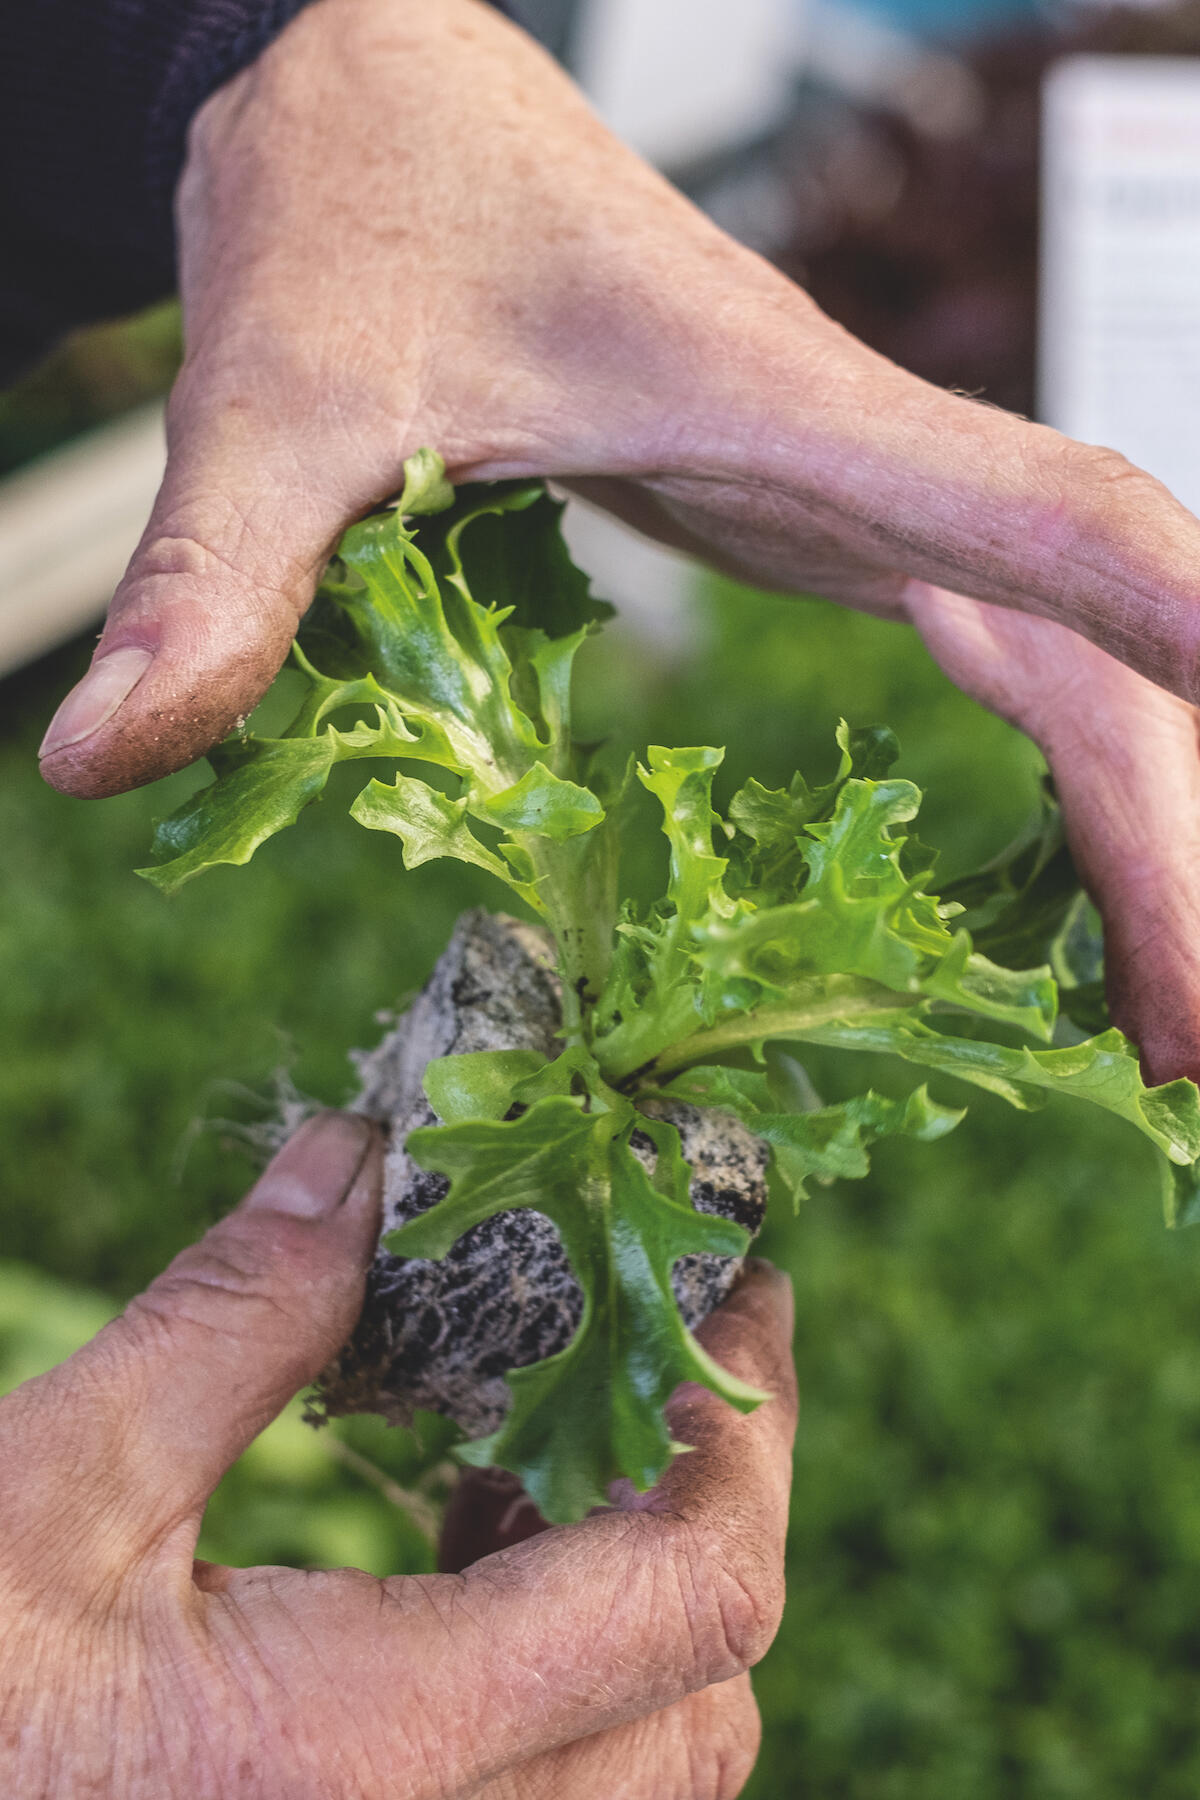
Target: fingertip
(750, 1335)
(775, 1285)
(364, 1198)
(93, 701)
(333, 1165)
(190, 670)
(171, 719)
(760, 1307)
(107, 736)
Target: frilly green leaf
(1103, 1070)
(477, 1084)
(593, 1413)
(428, 823)
(824, 1144)
(426, 489)
(544, 803)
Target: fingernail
(92, 704)
(316, 1168)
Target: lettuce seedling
(442, 640)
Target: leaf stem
(806, 1008)
(576, 882)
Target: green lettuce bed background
(995, 1560)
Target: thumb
(207, 609)
(216, 1347)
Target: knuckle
(183, 556)
(1098, 465)
(208, 539)
(750, 1608)
(1100, 477)
(732, 1603)
(1081, 489)
(251, 1272)
(205, 547)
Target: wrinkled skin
(402, 226)
(602, 1658)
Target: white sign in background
(1120, 301)
(680, 78)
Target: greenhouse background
(994, 1563)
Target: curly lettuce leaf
(1104, 1071)
(656, 989)
(428, 823)
(1026, 907)
(430, 675)
(769, 823)
(593, 1413)
(861, 911)
(542, 802)
(824, 1143)
(1017, 906)
(477, 1084)
(263, 784)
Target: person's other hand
(402, 226)
(602, 1658)
(1125, 757)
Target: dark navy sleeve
(95, 101)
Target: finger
(1127, 770)
(489, 1510)
(301, 389)
(979, 501)
(170, 1394)
(750, 1336)
(812, 439)
(702, 1748)
(673, 1591)
(1126, 766)
(329, 248)
(739, 538)
(584, 1627)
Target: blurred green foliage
(995, 1555)
(92, 375)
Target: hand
(1125, 757)
(601, 1658)
(403, 226)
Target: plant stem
(577, 887)
(818, 1003)
(420, 1510)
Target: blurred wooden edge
(68, 525)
